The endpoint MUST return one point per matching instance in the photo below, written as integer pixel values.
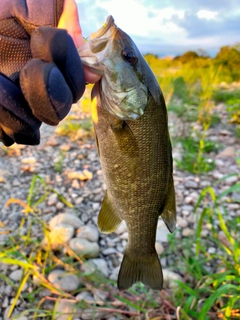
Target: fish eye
(129, 56)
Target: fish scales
(134, 150)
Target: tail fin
(146, 269)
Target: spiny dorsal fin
(108, 220)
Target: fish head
(125, 74)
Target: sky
(167, 27)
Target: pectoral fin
(125, 138)
(169, 212)
(108, 220)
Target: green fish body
(136, 158)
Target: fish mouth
(104, 29)
(95, 44)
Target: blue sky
(167, 27)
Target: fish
(131, 130)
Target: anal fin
(108, 220)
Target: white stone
(187, 232)
(64, 280)
(114, 275)
(52, 200)
(182, 223)
(88, 232)
(84, 247)
(60, 235)
(159, 247)
(227, 153)
(100, 265)
(109, 251)
(124, 236)
(121, 228)
(66, 307)
(232, 180)
(170, 277)
(85, 296)
(191, 184)
(68, 218)
(162, 232)
(16, 275)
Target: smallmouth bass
(131, 128)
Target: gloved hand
(41, 74)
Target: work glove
(41, 74)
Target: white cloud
(206, 14)
(166, 24)
(137, 19)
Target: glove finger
(46, 91)
(5, 139)
(16, 119)
(56, 45)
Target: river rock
(96, 264)
(121, 228)
(227, 153)
(162, 232)
(64, 308)
(85, 296)
(170, 277)
(84, 248)
(159, 247)
(88, 232)
(64, 280)
(187, 232)
(58, 236)
(68, 218)
(16, 275)
(52, 200)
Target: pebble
(227, 153)
(101, 265)
(66, 307)
(187, 232)
(232, 180)
(115, 272)
(191, 184)
(85, 296)
(109, 251)
(88, 232)
(84, 190)
(121, 228)
(59, 235)
(124, 236)
(63, 280)
(68, 218)
(52, 200)
(85, 248)
(162, 232)
(170, 277)
(159, 247)
(16, 275)
(181, 222)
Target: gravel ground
(81, 183)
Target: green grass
(203, 294)
(191, 91)
(195, 154)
